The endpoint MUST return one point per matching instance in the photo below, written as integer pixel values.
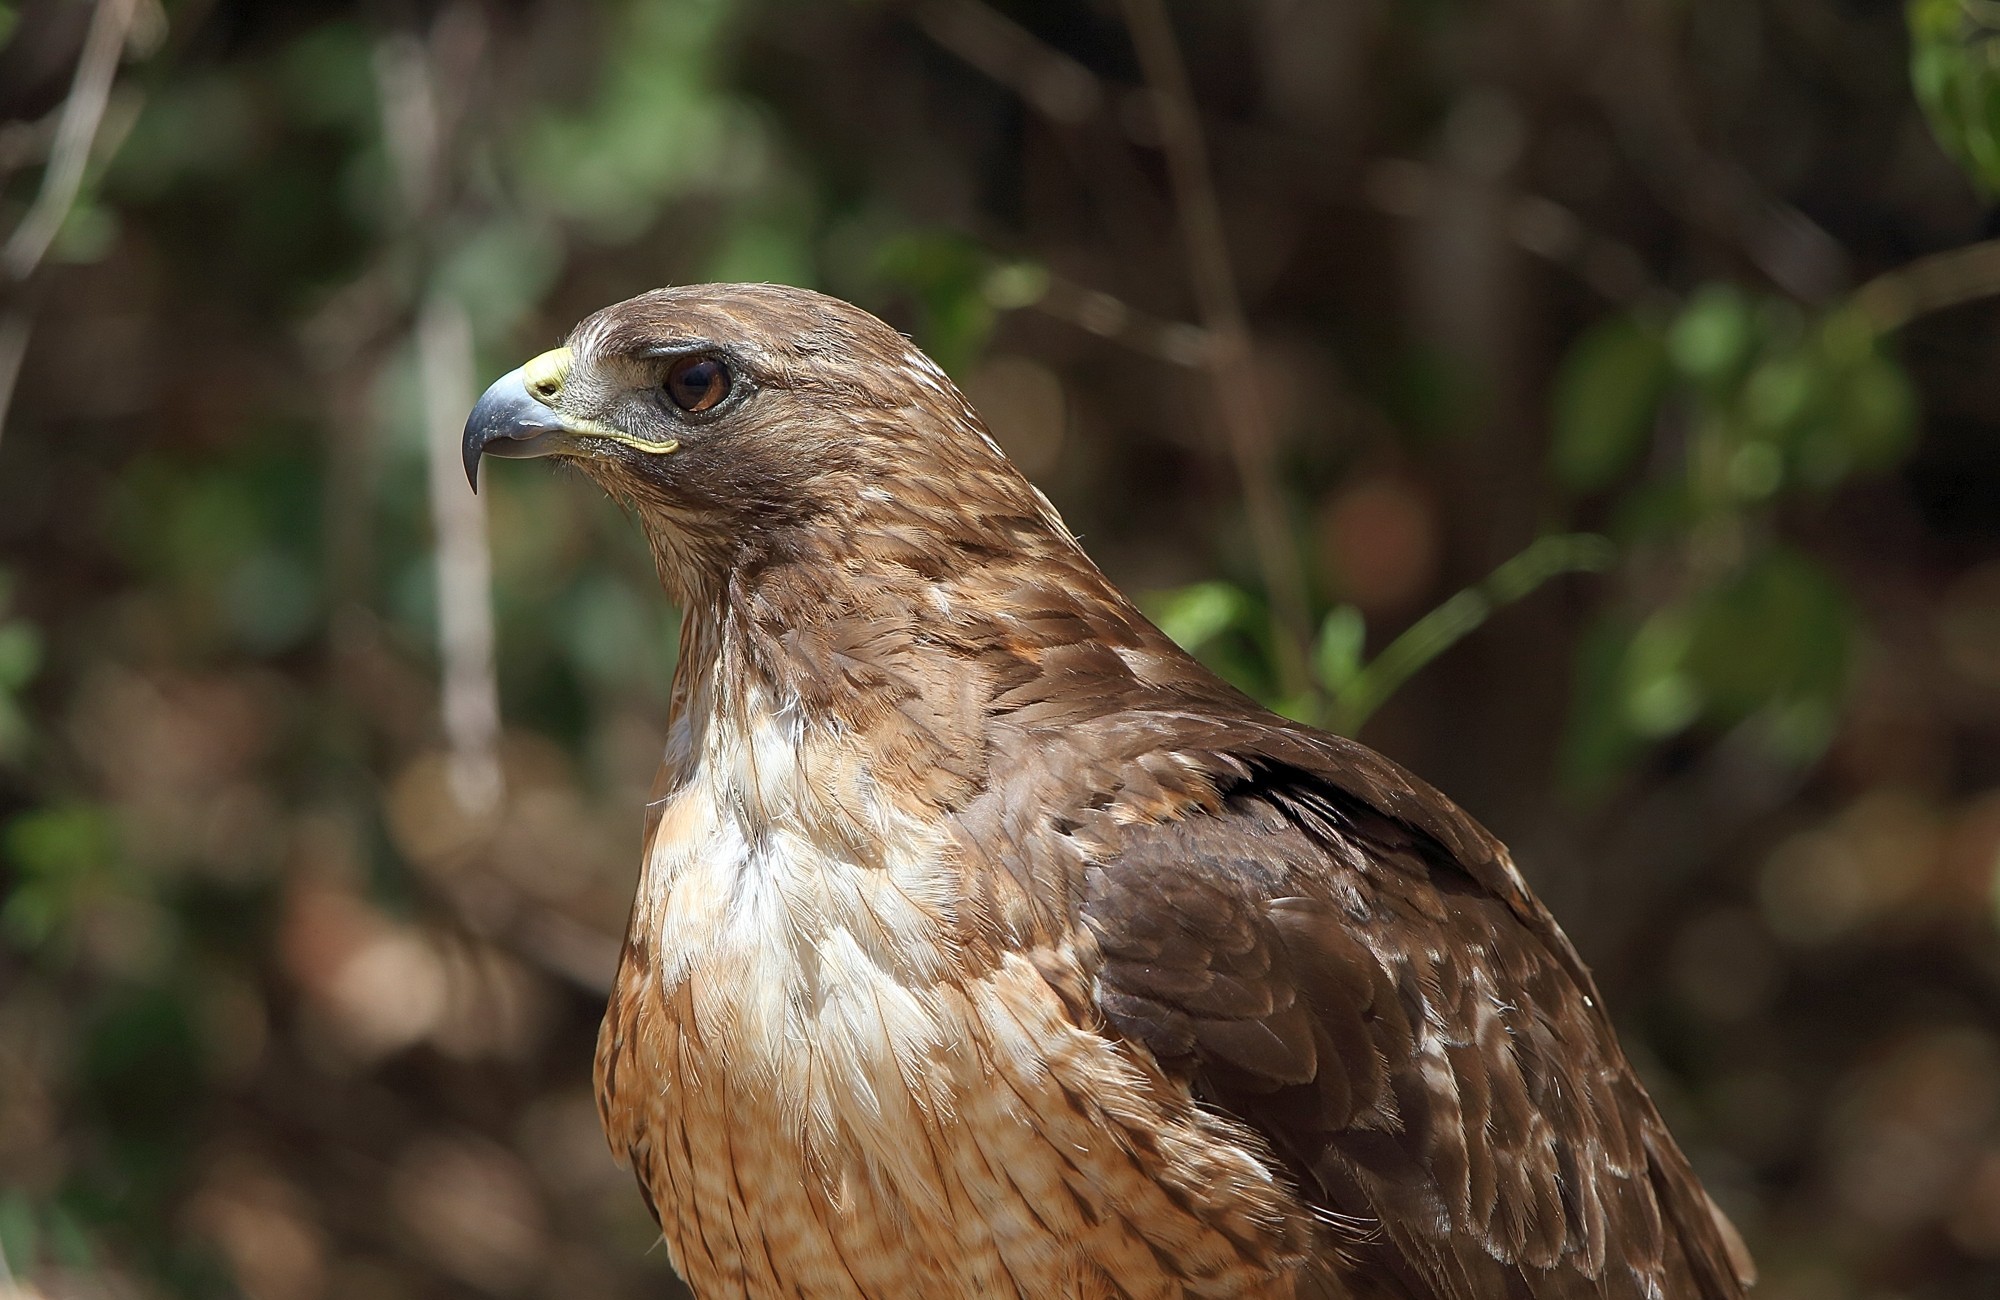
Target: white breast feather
(815, 973)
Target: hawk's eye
(697, 383)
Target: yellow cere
(544, 376)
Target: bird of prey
(987, 945)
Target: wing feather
(1397, 1016)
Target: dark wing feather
(1410, 1032)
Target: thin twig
(470, 690)
(1069, 94)
(1050, 81)
(1356, 699)
(1934, 283)
(1536, 224)
(15, 326)
(471, 702)
(62, 181)
(1099, 313)
(82, 113)
(1639, 84)
(1238, 391)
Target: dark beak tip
(506, 414)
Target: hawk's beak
(517, 418)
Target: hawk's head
(747, 421)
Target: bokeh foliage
(1629, 514)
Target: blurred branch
(1097, 312)
(471, 703)
(1929, 284)
(1050, 81)
(15, 327)
(1069, 94)
(62, 180)
(1639, 86)
(419, 130)
(1237, 384)
(1356, 699)
(82, 113)
(1404, 187)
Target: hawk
(986, 945)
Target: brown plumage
(987, 945)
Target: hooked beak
(508, 422)
(517, 418)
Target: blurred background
(1591, 403)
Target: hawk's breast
(825, 1093)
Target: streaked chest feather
(809, 919)
(823, 1099)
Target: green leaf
(607, 630)
(657, 125)
(1195, 615)
(501, 270)
(1955, 71)
(1599, 744)
(1781, 392)
(1768, 645)
(60, 842)
(1712, 339)
(19, 1233)
(1877, 413)
(1798, 731)
(326, 77)
(1756, 470)
(1013, 285)
(1448, 624)
(68, 1241)
(59, 855)
(1228, 630)
(1337, 654)
(14, 732)
(89, 232)
(20, 654)
(140, 1066)
(1776, 632)
(947, 275)
(1607, 395)
(1660, 698)
(769, 241)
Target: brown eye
(697, 383)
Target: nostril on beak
(543, 377)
